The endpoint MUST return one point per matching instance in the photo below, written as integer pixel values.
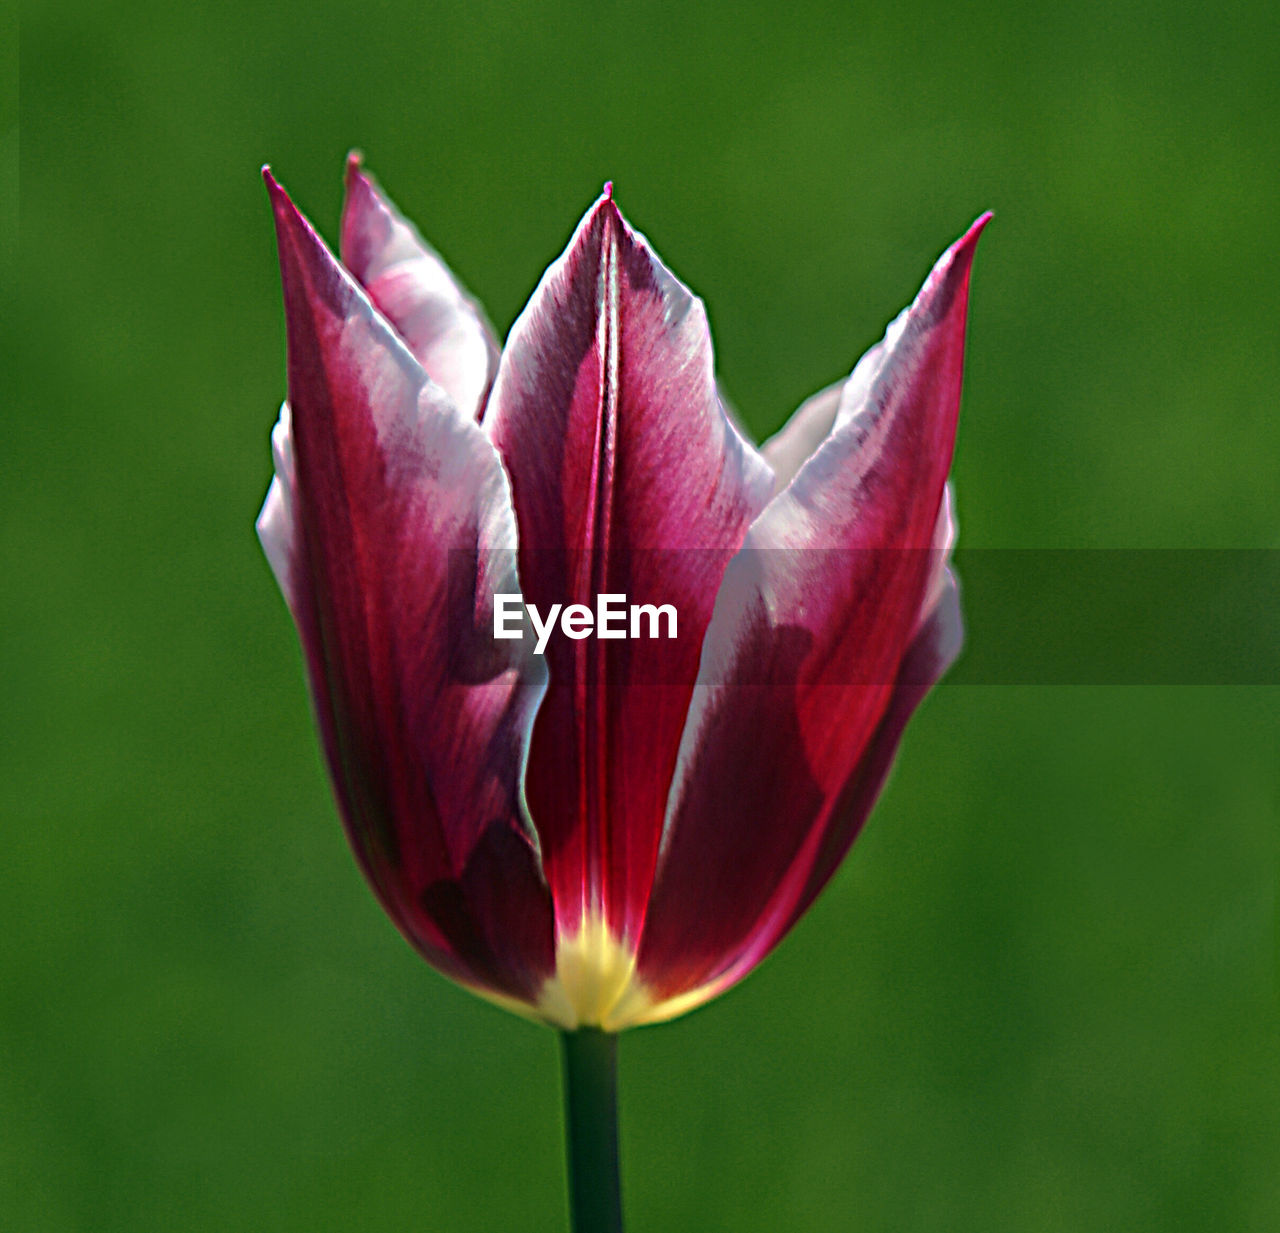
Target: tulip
(612, 831)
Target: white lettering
(543, 631)
(613, 618)
(653, 612)
(504, 608)
(611, 607)
(577, 622)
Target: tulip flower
(599, 832)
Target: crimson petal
(390, 527)
(412, 287)
(933, 650)
(831, 623)
(629, 479)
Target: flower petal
(802, 693)
(413, 288)
(794, 443)
(629, 479)
(810, 424)
(390, 526)
(932, 651)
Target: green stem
(591, 1129)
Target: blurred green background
(1040, 996)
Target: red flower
(614, 831)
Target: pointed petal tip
(281, 202)
(289, 219)
(606, 204)
(968, 242)
(308, 266)
(355, 176)
(601, 219)
(950, 274)
(291, 222)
